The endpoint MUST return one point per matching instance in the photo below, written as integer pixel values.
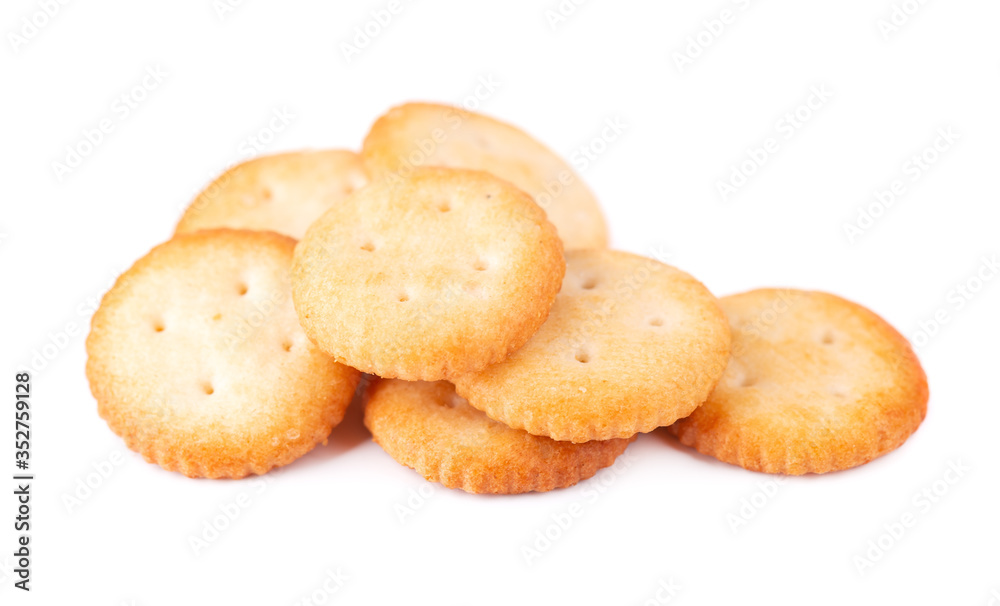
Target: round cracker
(429, 428)
(440, 274)
(816, 383)
(425, 134)
(284, 193)
(197, 360)
(631, 344)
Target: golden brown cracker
(631, 344)
(426, 134)
(428, 427)
(197, 360)
(816, 384)
(440, 274)
(284, 193)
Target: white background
(667, 516)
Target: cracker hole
(748, 382)
(217, 317)
(444, 207)
(368, 246)
(286, 345)
(242, 288)
(207, 388)
(582, 357)
(480, 265)
(656, 322)
(158, 326)
(828, 339)
(403, 298)
(589, 284)
(266, 194)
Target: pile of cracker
(465, 268)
